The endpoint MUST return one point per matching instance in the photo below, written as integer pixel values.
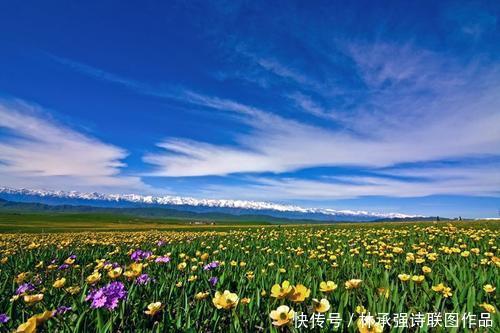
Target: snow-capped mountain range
(237, 207)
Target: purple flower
(4, 318)
(162, 259)
(72, 256)
(210, 266)
(107, 296)
(62, 310)
(63, 267)
(213, 280)
(160, 242)
(136, 255)
(139, 255)
(24, 288)
(142, 279)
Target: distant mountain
(145, 212)
(187, 204)
(415, 219)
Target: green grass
(376, 253)
(72, 222)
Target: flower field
(249, 279)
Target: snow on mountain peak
(190, 201)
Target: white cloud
(308, 105)
(36, 151)
(483, 180)
(277, 144)
(418, 106)
(99, 73)
(280, 70)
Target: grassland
(74, 222)
(136, 279)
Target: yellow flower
(204, 256)
(327, 286)
(201, 295)
(426, 269)
(93, 278)
(418, 278)
(488, 307)
(181, 266)
(69, 261)
(283, 315)
(321, 306)
(178, 284)
(245, 300)
(226, 300)
(299, 293)
(397, 250)
(134, 270)
(383, 292)
(360, 309)
(73, 290)
(153, 308)
(367, 324)
(489, 288)
(21, 277)
(43, 317)
(446, 292)
(432, 256)
(282, 291)
(28, 327)
(59, 283)
(33, 246)
(353, 284)
(115, 272)
(192, 278)
(404, 277)
(30, 299)
(438, 288)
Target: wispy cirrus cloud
(308, 105)
(408, 135)
(280, 70)
(478, 180)
(418, 106)
(37, 151)
(99, 73)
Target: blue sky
(390, 106)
